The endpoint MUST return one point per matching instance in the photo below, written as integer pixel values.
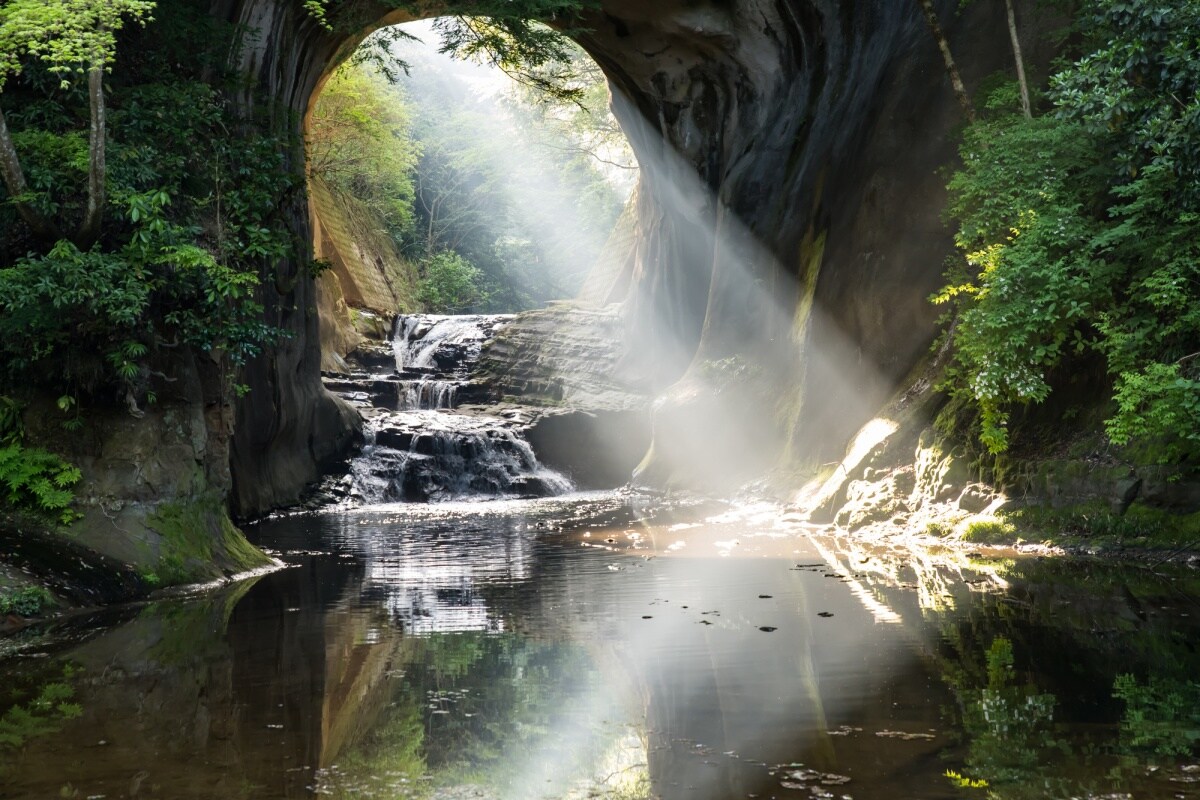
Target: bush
(27, 602)
(449, 284)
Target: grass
(990, 531)
(1086, 525)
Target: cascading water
(420, 446)
(434, 355)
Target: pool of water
(609, 646)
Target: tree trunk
(14, 180)
(960, 89)
(1016, 46)
(89, 230)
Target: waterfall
(420, 446)
(434, 356)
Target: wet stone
(420, 447)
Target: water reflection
(600, 648)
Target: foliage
(1080, 232)
(449, 283)
(191, 229)
(66, 35)
(1010, 728)
(1161, 716)
(1152, 526)
(505, 187)
(26, 602)
(33, 480)
(38, 482)
(988, 531)
(359, 143)
(580, 125)
(963, 782)
(530, 53)
(12, 427)
(513, 35)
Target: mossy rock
(1141, 526)
(198, 542)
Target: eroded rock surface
(789, 207)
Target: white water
(424, 449)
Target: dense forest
(1077, 215)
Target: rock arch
(790, 150)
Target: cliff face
(791, 199)
(288, 429)
(366, 271)
(788, 216)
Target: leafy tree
(188, 229)
(509, 184)
(449, 283)
(359, 143)
(582, 124)
(70, 37)
(521, 37)
(1081, 231)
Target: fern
(35, 481)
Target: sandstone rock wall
(791, 196)
(789, 208)
(152, 495)
(594, 424)
(288, 429)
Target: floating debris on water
(904, 735)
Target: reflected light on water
(597, 660)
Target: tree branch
(960, 89)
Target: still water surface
(606, 647)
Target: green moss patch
(1139, 527)
(199, 542)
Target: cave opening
(459, 203)
(450, 183)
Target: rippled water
(605, 647)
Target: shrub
(1081, 232)
(27, 602)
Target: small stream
(510, 639)
(612, 646)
